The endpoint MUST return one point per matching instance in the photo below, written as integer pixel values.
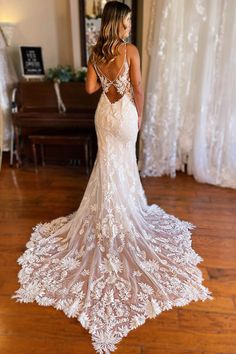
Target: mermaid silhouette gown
(116, 261)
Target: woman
(116, 261)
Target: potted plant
(66, 74)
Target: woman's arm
(136, 80)
(91, 83)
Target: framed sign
(32, 62)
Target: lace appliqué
(122, 82)
(107, 304)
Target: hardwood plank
(222, 273)
(148, 335)
(220, 304)
(215, 232)
(51, 327)
(41, 345)
(184, 351)
(225, 249)
(223, 288)
(8, 257)
(208, 322)
(161, 351)
(198, 328)
(10, 307)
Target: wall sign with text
(32, 62)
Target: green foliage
(66, 74)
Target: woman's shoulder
(132, 50)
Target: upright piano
(38, 108)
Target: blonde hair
(109, 39)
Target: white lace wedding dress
(116, 261)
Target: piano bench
(81, 140)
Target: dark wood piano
(36, 111)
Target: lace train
(116, 261)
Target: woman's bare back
(114, 75)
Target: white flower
(30, 245)
(69, 263)
(29, 293)
(123, 330)
(77, 287)
(62, 304)
(111, 264)
(35, 236)
(73, 310)
(146, 288)
(108, 297)
(152, 308)
(151, 266)
(84, 320)
(119, 286)
(45, 301)
(105, 341)
(101, 285)
(136, 273)
(137, 320)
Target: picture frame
(31, 62)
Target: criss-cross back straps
(99, 71)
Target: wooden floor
(203, 327)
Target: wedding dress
(116, 261)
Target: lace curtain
(190, 110)
(8, 78)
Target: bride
(116, 261)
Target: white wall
(44, 23)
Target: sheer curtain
(8, 78)
(190, 110)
